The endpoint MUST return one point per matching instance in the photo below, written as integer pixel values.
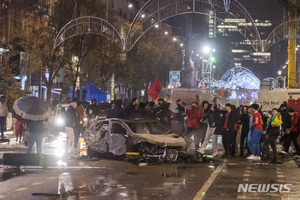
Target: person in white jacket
(3, 115)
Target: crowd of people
(246, 131)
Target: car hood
(172, 140)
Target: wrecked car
(145, 139)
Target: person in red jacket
(194, 114)
(293, 132)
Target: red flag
(154, 89)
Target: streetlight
(156, 26)
(174, 39)
(143, 15)
(166, 32)
(130, 5)
(206, 49)
(181, 44)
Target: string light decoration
(239, 78)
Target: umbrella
(32, 108)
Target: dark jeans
(288, 138)
(202, 134)
(271, 139)
(2, 125)
(35, 137)
(228, 142)
(243, 142)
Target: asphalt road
(84, 178)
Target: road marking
(280, 176)
(246, 175)
(247, 171)
(37, 183)
(2, 196)
(21, 189)
(279, 173)
(241, 197)
(207, 184)
(50, 178)
(246, 179)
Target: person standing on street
(272, 132)
(92, 110)
(194, 115)
(116, 110)
(203, 121)
(214, 120)
(3, 115)
(132, 109)
(245, 129)
(71, 120)
(179, 118)
(256, 134)
(35, 129)
(79, 124)
(286, 125)
(293, 132)
(230, 117)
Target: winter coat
(116, 112)
(194, 119)
(71, 117)
(245, 123)
(286, 120)
(273, 124)
(294, 123)
(3, 109)
(131, 111)
(178, 114)
(35, 126)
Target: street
(85, 178)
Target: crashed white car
(143, 137)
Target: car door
(117, 138)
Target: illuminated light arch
(89, 25)
(156, 11)
(281, 32)
(240, 77)
(207, 82)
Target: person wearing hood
(194, 115)
(71, 120)
(3, 115)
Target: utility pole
(292, 44)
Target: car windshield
(146, 127)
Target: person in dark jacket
(71, 121)
(203, 121)
(293, 132)
(272, 132)
(179, 117)
(35, 130)
(245, 129)
(229, 119)
(132, 109)
(286, 124)
(116, 110)
(92, 110)
(214, 120)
